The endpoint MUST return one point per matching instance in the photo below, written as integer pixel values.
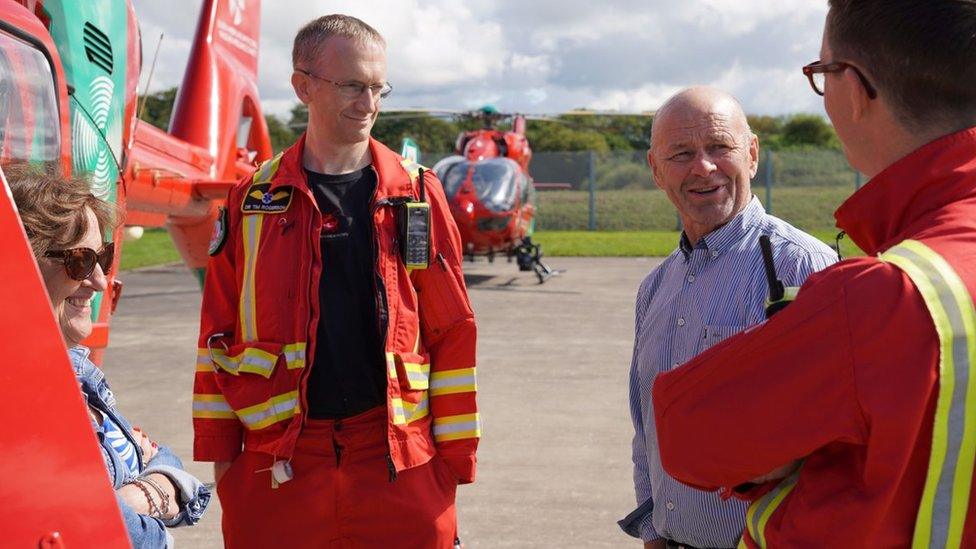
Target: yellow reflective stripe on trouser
(212, 407)
(272, 411)
(760, 510)
(456, 427)
(450, 382)
(248, 305)
(945, 499)
(294, 355)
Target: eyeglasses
(352, 89)
(80, 263)
(816, 73)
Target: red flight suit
(845, 377)
(257, 333)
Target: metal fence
(615, 191)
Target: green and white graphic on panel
(91, 38)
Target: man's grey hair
(311, 39)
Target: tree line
(569, 132)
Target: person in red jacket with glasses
(335, 384)
(849, 419)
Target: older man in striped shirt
(703, 155)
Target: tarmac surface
(553, 361)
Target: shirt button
(714, 254)
(681, 321)
(670, 506)
(691, 278)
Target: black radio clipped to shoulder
(413, 219)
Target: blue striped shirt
(694, 299)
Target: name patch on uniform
(219, 235)
(260, 198)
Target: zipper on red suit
(383, 315)
(316, 230)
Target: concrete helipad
(553, 360)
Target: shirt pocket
(712, 335)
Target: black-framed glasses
(80, 263)
(816, 73)
(353, 89)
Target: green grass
(635, 243)
(810, 208)
(154, 248)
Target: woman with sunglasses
(65, 223)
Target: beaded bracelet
(163, 495)
(153, 508)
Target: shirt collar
(722, 238)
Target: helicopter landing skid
(529, 257)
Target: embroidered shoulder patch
(260, 198)
(219, 235)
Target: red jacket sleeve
(217, 433)
(767, 397)
(449, 334)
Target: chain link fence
(615, 192)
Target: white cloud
(542, 56)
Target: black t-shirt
(348, 370)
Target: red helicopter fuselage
(489, 188)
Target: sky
(544, 56)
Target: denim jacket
(144, 531)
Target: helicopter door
(29, 128)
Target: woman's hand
(148, 447)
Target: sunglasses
(80, 263)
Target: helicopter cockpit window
(451, 173)
(495, 182)
(29, 128)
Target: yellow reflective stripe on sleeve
(450, 382)
(763, 508)
(417, 375)
(294, 355)
(248, 304)
(945, 498)
(456, 427)
(212, 407)
(272, 411)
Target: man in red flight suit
(335, 384)
(850, 418)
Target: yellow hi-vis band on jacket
(251, 360)
(412, 168)
(405, 412)
(449, 382)
(271, 411)
(248, 304)
(945, 498)
(760, 510)
(212, 407)
(456, 427)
